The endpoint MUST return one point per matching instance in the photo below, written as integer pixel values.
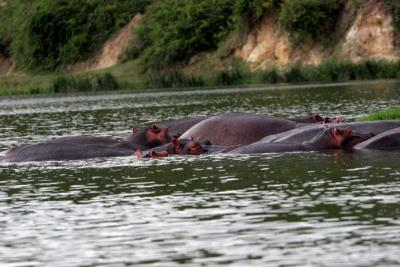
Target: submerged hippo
(306, 133)
(389, 140)
(85, 147)
(327, 138)
(233, 129)
(315, 119)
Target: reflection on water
(301, 209)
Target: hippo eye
(349, 131)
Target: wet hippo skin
(178, 127)
(86, 147)
(306, 133)
(327, 138)
(389, 140)
(237, 128)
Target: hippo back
(389, 140)
(180, 126)
(237, 128)
(63, 151)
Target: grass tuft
(388, 114)
(71, 84)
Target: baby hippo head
(333, 120)
(150, 137)
(187, 147)
(346, 138)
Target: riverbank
(127, 76)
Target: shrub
(395, 7)
(308, 18)
(66, 31)
(174, 30)
(251, 12)
(12, 15)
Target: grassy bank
(388, 114)
(127, 77)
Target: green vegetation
(251, 12)
(178, 43)
(388, 114)
(53, 33)
(126, 77)
(395, 7)
(174, 30)
(309, 18)
(69, 84)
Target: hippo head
(188, 147)
(151, 136)
(316, 118)
(333, 120)
(335, 138)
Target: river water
(294, 209)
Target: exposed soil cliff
(112, 50)
(361, 33)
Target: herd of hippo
(232, 133)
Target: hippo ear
(135, 130)
(191, 138)
(318, 118)
(336, 131)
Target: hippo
(389, 140)
(86, 147)
(306, 133)
(176, 147)
(316, 118)
(327, 138)
(233, 129)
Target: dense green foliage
(250, 12)
(308, 18)
(60, 32)
(388, 114)
(395, 7)
(174, 30)
(12, 16)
